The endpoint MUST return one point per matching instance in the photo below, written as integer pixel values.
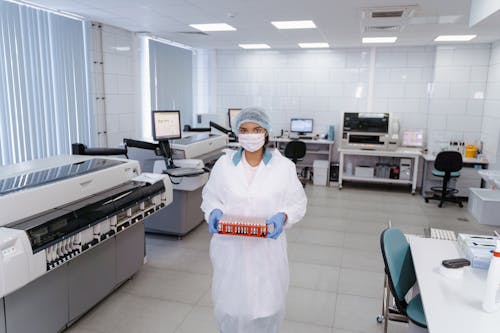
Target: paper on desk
(149, 178)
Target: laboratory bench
(316, 149)
(369, 172)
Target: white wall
(401, 84)
(490, 134)
(457, 95)
(315, 84)
(121, 110)
(440, 89)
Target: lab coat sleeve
(212, 195)
(295, 199)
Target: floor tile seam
(312, 289)
(178, 271)
(327, 246)
(308, 263)
(358, 295)
(184, 319)
(303, 322)
(85, 327)
(131, 293)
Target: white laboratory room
(237, 166)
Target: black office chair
(447, 166)
(81, 149)
(295, 150)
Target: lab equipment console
(72, 232)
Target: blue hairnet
(252, 115)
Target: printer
(204, 146)
(59, 209)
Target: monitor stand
(166, 152)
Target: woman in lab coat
(251, 275)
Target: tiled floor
(335, 264)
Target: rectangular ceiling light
(294, 24)
(454, 38)
(368, 40)
(213, 27)
(254, 46)
(314, 45)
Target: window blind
(44, 84)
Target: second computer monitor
(231, 114)
(166, 125)
(301, 125)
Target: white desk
(319, 149)
(450, 305)
(411, 153)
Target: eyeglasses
(257, 130)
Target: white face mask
(252, 142)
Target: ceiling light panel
(373, 40)
(294, 24)
(454, 38)
(254, 46)
(213, 27)
(314, 45)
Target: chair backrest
(448, 161)
(398, 265)
(295, 149)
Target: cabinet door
(41, 306)
(92, 276)
(129, 252)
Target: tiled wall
(457, 95)
(314, 84)
(490, 134)
(121, 85)
(440, 89)
(401, 84)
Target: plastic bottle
(490, 303)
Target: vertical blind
(171, 79)
(44, 84)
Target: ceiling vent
(393, 12)
(390, 13)
(382, 28)
(196, 33)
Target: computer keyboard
(305, 137)
(443, 234)
(181, 172)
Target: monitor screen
(301, 125)
(231, 113)
(166, 125)
(413, 138)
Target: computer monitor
(301, 125)
(166, 125)
(231, 114)
(413, 138)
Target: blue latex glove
(213, 220)
(277, 220)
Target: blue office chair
(400, 278)
(447, 166)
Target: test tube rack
(242, 226)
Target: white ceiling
(338, 22)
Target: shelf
(323, 152)
(378, 180)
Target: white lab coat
(251, 275)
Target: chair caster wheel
(461, 205)
(440, 205)
(426, 200)
(380, 319)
